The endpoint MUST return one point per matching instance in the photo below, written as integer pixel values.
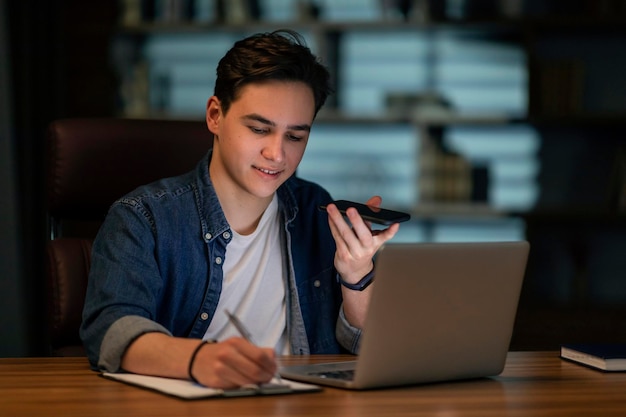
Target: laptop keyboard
(346, 375)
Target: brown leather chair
(91, 163)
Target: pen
(246, 335)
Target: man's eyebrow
(261, 119)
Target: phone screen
(372, 214)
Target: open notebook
(191, 391)
(439, 312)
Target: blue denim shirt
(157, 266)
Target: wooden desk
(533, 384)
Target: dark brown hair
(281, 55)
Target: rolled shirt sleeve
(348, 336)
(122, 334)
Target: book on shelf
(605, 357)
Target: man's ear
(213, 114)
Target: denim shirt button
(226, 235)
(208, 236)
(317, 283)
(218, 260)
(204, 316)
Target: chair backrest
(91, 163)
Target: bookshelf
(556, 85)
(557, 82)
(559, 229)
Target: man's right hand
(233, 363)
(228, 364)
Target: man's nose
(273, 149)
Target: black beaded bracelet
(193, 358)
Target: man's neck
(242, 210)
(243, 218)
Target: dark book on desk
(605, 357)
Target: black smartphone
(372, 214)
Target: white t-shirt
(254, 287)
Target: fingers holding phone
(371, 211)
(356, 244)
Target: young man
(240, 233)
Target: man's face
(261, 139)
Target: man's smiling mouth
(269, 172)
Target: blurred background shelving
(473, 115)
(486, 119)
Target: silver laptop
(439, 312)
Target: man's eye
(258, 130)
(294, 138)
